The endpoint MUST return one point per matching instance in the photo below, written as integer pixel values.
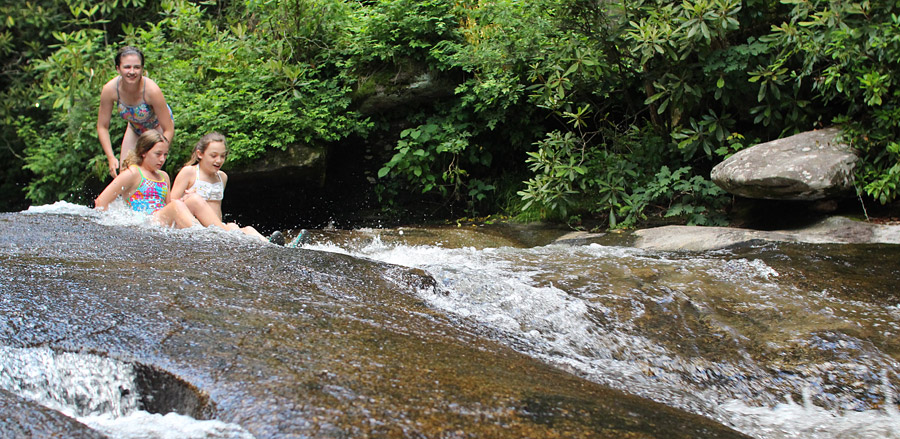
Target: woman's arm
(156, 100)
(103, 116)
(125, 182)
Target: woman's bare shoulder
(150, 86)
(109, 88)
(153, 93)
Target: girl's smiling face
(213, 157)
(156, 157)
(130, 67)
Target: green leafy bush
(606, 110)
(215, 79)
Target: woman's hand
(113, 166)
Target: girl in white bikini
(201, 184)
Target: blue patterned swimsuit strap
(141, 117)
(150, 194)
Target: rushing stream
(776, 341)
(757, 338)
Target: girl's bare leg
(201, 210)
(174, 214)
(250, 231)
(208, 217)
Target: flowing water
(777, 341)
(97, 391)
(100, 393)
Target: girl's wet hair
(201, 145)
(145, 143)
(129, 50)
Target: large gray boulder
(808, 166)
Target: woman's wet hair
(201, 145)
(129, 50)
(145, 143)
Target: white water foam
(100, 393)
(76, 385)
(119, 214)
(63, 208)
(499, 287)
(791, 420)
(142, 425)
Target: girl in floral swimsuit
(138, 100)
(145, 186)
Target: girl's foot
(299, 239)
(277, 238)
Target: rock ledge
(832, 230)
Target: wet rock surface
(292, 342)
(21, 418)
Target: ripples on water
(716, 334)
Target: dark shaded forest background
(564, 110)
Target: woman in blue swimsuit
(138, 100)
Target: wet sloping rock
(833, 230)
(296, 343)
(20, 418)
(579, 237)
(805, 166)
(160, 392)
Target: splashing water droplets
(77, 385)
(99, 392)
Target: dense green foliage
(560, 109)
(217, 75)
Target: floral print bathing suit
(150, 195)
(141, 117)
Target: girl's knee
(177, 206)
(192, 201)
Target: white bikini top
(209, 191)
